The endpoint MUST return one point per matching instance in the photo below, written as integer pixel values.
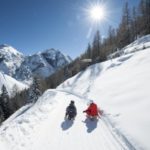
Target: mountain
(42, 64)
(119, 86)
(23, 68)
(10, 59)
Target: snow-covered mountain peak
(46, 62)
(22, 67)
(43, 64)
(9, 49)
(56, 55)
(3, 45)
(52, 53)
(50, 50)
(10, 59)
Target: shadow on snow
(90, 124)
(66, 124)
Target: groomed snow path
(43, 127)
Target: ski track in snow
(57, 133)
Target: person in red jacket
(92, 111)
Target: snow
(9, 49)
(39, 66)
(10, 82)
(10, 59)
(138, 45)
(119, 86)
(42, 64)
(23, 68)
(43, 127)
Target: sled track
(53, 132)
(116, 138)
(116, 133)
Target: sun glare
(97, 13)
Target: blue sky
(35, 25)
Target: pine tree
(124, 33)
(34, 91)
(134, 26)
(15, 89)
(4, 102)
(144, 17)
(111, 39)
(1, 111)
(89, 51)
(147, 17)
(96, 46)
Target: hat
(72, 102)
(90, 102)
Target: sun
(97, 13)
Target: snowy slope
(43, 127)
(9, 83)
(120, 87)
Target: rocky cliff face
(23, 68)
(10, 59)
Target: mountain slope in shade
(10, 83)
